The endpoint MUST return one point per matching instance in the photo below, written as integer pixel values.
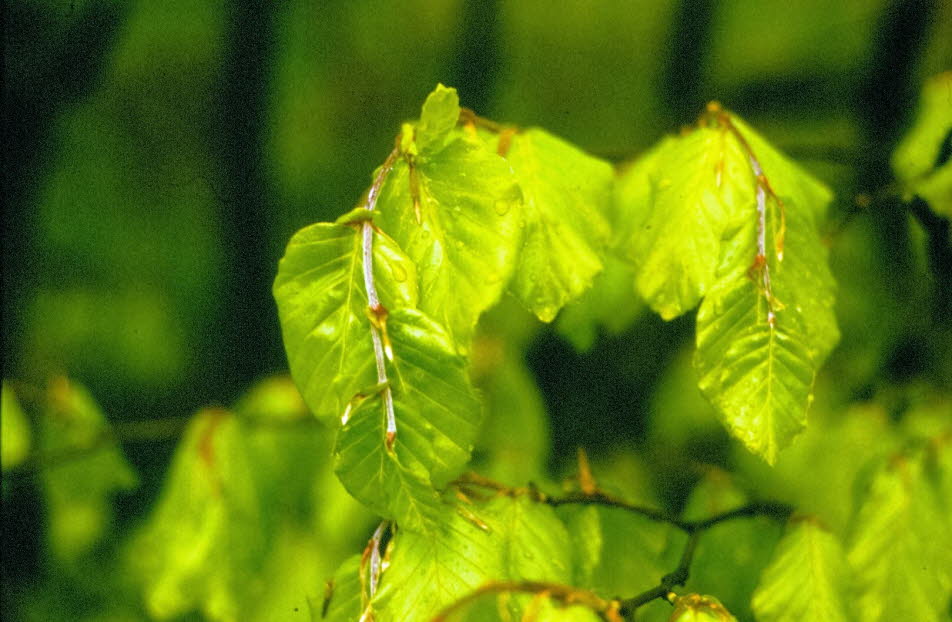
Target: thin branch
(606, 500)
(679, 576)
(378, 313)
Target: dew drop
(502, 206)
(399, 273)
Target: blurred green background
(159, 155)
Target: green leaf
(322, 303)
(79, 491)
(922, 160)
(438, 117)
(204, 540)
(764, 329)
(467, 237)
(508, 539)
(901, 545)
(808, 579)
(14, 430)
(680, 201)
(437, 416)
(343, 601)
(566, 196)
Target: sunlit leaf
(453, 206)
(808, 580)
(767, 324)
(566, 194)
(437, 418)
(505, 540)
(322, 302)
(681, 201)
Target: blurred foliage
(159, 156)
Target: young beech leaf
(79, 492)
(507, 539)
(454, 207)
(566, 196)
(923, 160)
(808, 579)
(679, 201)
(200, 547)
(322, 304)
(343, 599)
(901, 544)
(438, 417)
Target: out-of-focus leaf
(619, 552)
(85, 470)
(453, 206)
(923, 160)
(514, 442)
(611, 305)
(820, 473)
(437, 417)
(567, 194)
(203, 543)
(323, 306)
(901, 544)
(14, 430)
(808, 580)
(730, 556)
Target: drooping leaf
(201, 545)
(566, 195)
(14, 430)
(322, 303)
(79, 490)
(506, 539)
(766, 325)
(923, 160)
(808, 579)
(680, 201)
(437, 417)
(453, 206)
(901, 545)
